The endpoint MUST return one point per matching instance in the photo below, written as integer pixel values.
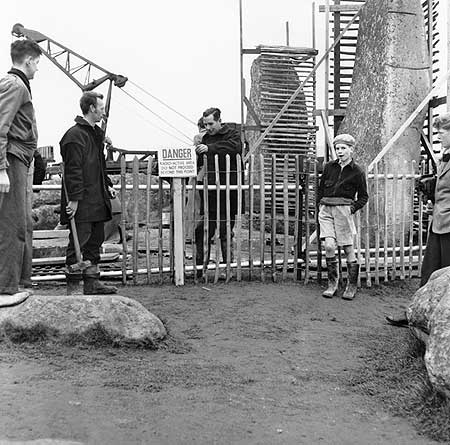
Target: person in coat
(89, 191)
(437, 252)
(219, 139)
(18, 142)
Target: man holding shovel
(85, 196)
(18, 141)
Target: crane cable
(163, 103)
(152, 123)
(188, 138)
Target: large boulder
(121, 320)
(429, 313)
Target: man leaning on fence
(89, 191)
(437, 252)
(18, 141)
(221, 140)
(342, 192)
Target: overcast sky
(186, 53)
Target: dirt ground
(246, 363)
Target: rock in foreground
(112, 319)
(429, 312)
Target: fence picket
(286, 216)
(251, 197)
(273, 235)
(377, 225)
(238, 230)
(262, 212)
(386, 240)
(218, 221)
(227, 193)
(123, 220)
(135, 198)
(148, 262)
(297, 234)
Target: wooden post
(262, 213)
(386, 240)
(286, 216)
(148, 220)
(206, 245)
(377, 225)
(307, 168)
(135, 217)
(297, 233)
(217, 240)
(251, 198)
(228, 217)
(178, 238)
(239, 220)
(160, 230)
(123, 220)
(273, 235)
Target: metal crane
(78, 68)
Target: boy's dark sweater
(347, 183)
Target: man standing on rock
(18, 142)
(437, 252)
(219, 139)
(89, 191)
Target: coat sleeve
(362, 194)
(72, 154)
(11, 99)
(231, 145)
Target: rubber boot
(73, 281)
(92, 285)
(333, 278)
(353, 273)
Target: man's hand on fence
(112, 192)
(201, 149)
(71, 209)
(4, 181)
(429, 208)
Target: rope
(188, 138)
(163, 103)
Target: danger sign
(177, 162)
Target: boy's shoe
(352, 280)
(398, 320)
(333, 278)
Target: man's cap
(442, 121)
(346, 139)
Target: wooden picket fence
(269, 241)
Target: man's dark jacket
(226, 141)
(85, 173)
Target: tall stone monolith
(391, 77)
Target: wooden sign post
(178, 163)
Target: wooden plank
(367, 244)
(123, 220)
(377, 225)
(273, 234)
(251, 198)
(160, 230)
(402, 228)
(218, 221)
(148, 261)
(228, 222)
(51, 234)
(178, 238)
(394, 224)
(286, 217)
(135, 197)
(385, 254)
(206, 247)
(239, 220)
(340, 8)
(297, 235)
(193, 227)
(307, 220)
(411, 221)
(262, 215)
(358, 245)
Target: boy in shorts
(342, 192)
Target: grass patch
(394, 372)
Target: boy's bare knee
(330, 246)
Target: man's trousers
(16, 228)
(437, 255)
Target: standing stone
(391, 77)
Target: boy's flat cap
(346, 139)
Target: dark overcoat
(85, 173)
